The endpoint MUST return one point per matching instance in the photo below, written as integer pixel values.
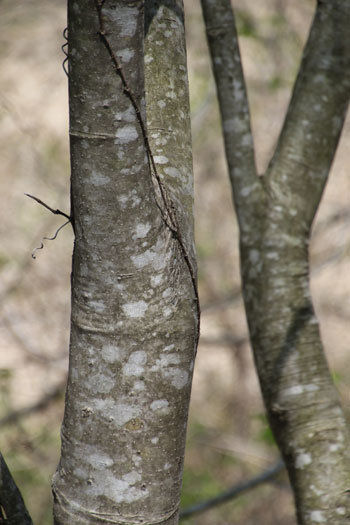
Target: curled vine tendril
(48, 239)
(64, 48)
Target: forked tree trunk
(134, 321)
(275, 213)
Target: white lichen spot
(254, 256)
(135, 309)
(246, 140)
(148, 59)
(126, 134)
(161, 104)
(171, 94)
(76, 8)
(160, 159)
(167, 466)
(315, 490)
(135, 364)
(111, 353)
(154, 440)
(169, 359)
(273, 256)
(153, 257)
(160, 404)
(139, 386)
(167, 292)
(100, 383)
(98, 306)
(126, 54)
(317, 516)
(124, 412)
(341, 511)
(169, 347)
(137, 459)
(173, 172)
(156, 280)
(98, 179)
(117, 490)
(245, 192)
(135, 200)
(217, 60)
(311, 388)
(132, 477)
(167, 33)
(167, 312)
(128, 115)
(125, 18)
(116, 413)
(302, 460)
(141, 230)
(178, 377)
(334, 447)
(234, 124)
(293, 390)
(99, 461)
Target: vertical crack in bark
(166, 205)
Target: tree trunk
(275, 213)
(134, 321)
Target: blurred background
(228, 437)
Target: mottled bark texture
(134, 315)
(275, 213)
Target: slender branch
(234, 107)
(234, 491)
(316, 113)
(12, 508)
(56, 212)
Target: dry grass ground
(228, 439)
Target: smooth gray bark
(134, 321)
(275, 213)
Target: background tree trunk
(275, 213)
(134, 321)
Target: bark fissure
(162, 197)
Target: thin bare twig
(56, 212)
(231, 493)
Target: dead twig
(266, 476)
(56, 212)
